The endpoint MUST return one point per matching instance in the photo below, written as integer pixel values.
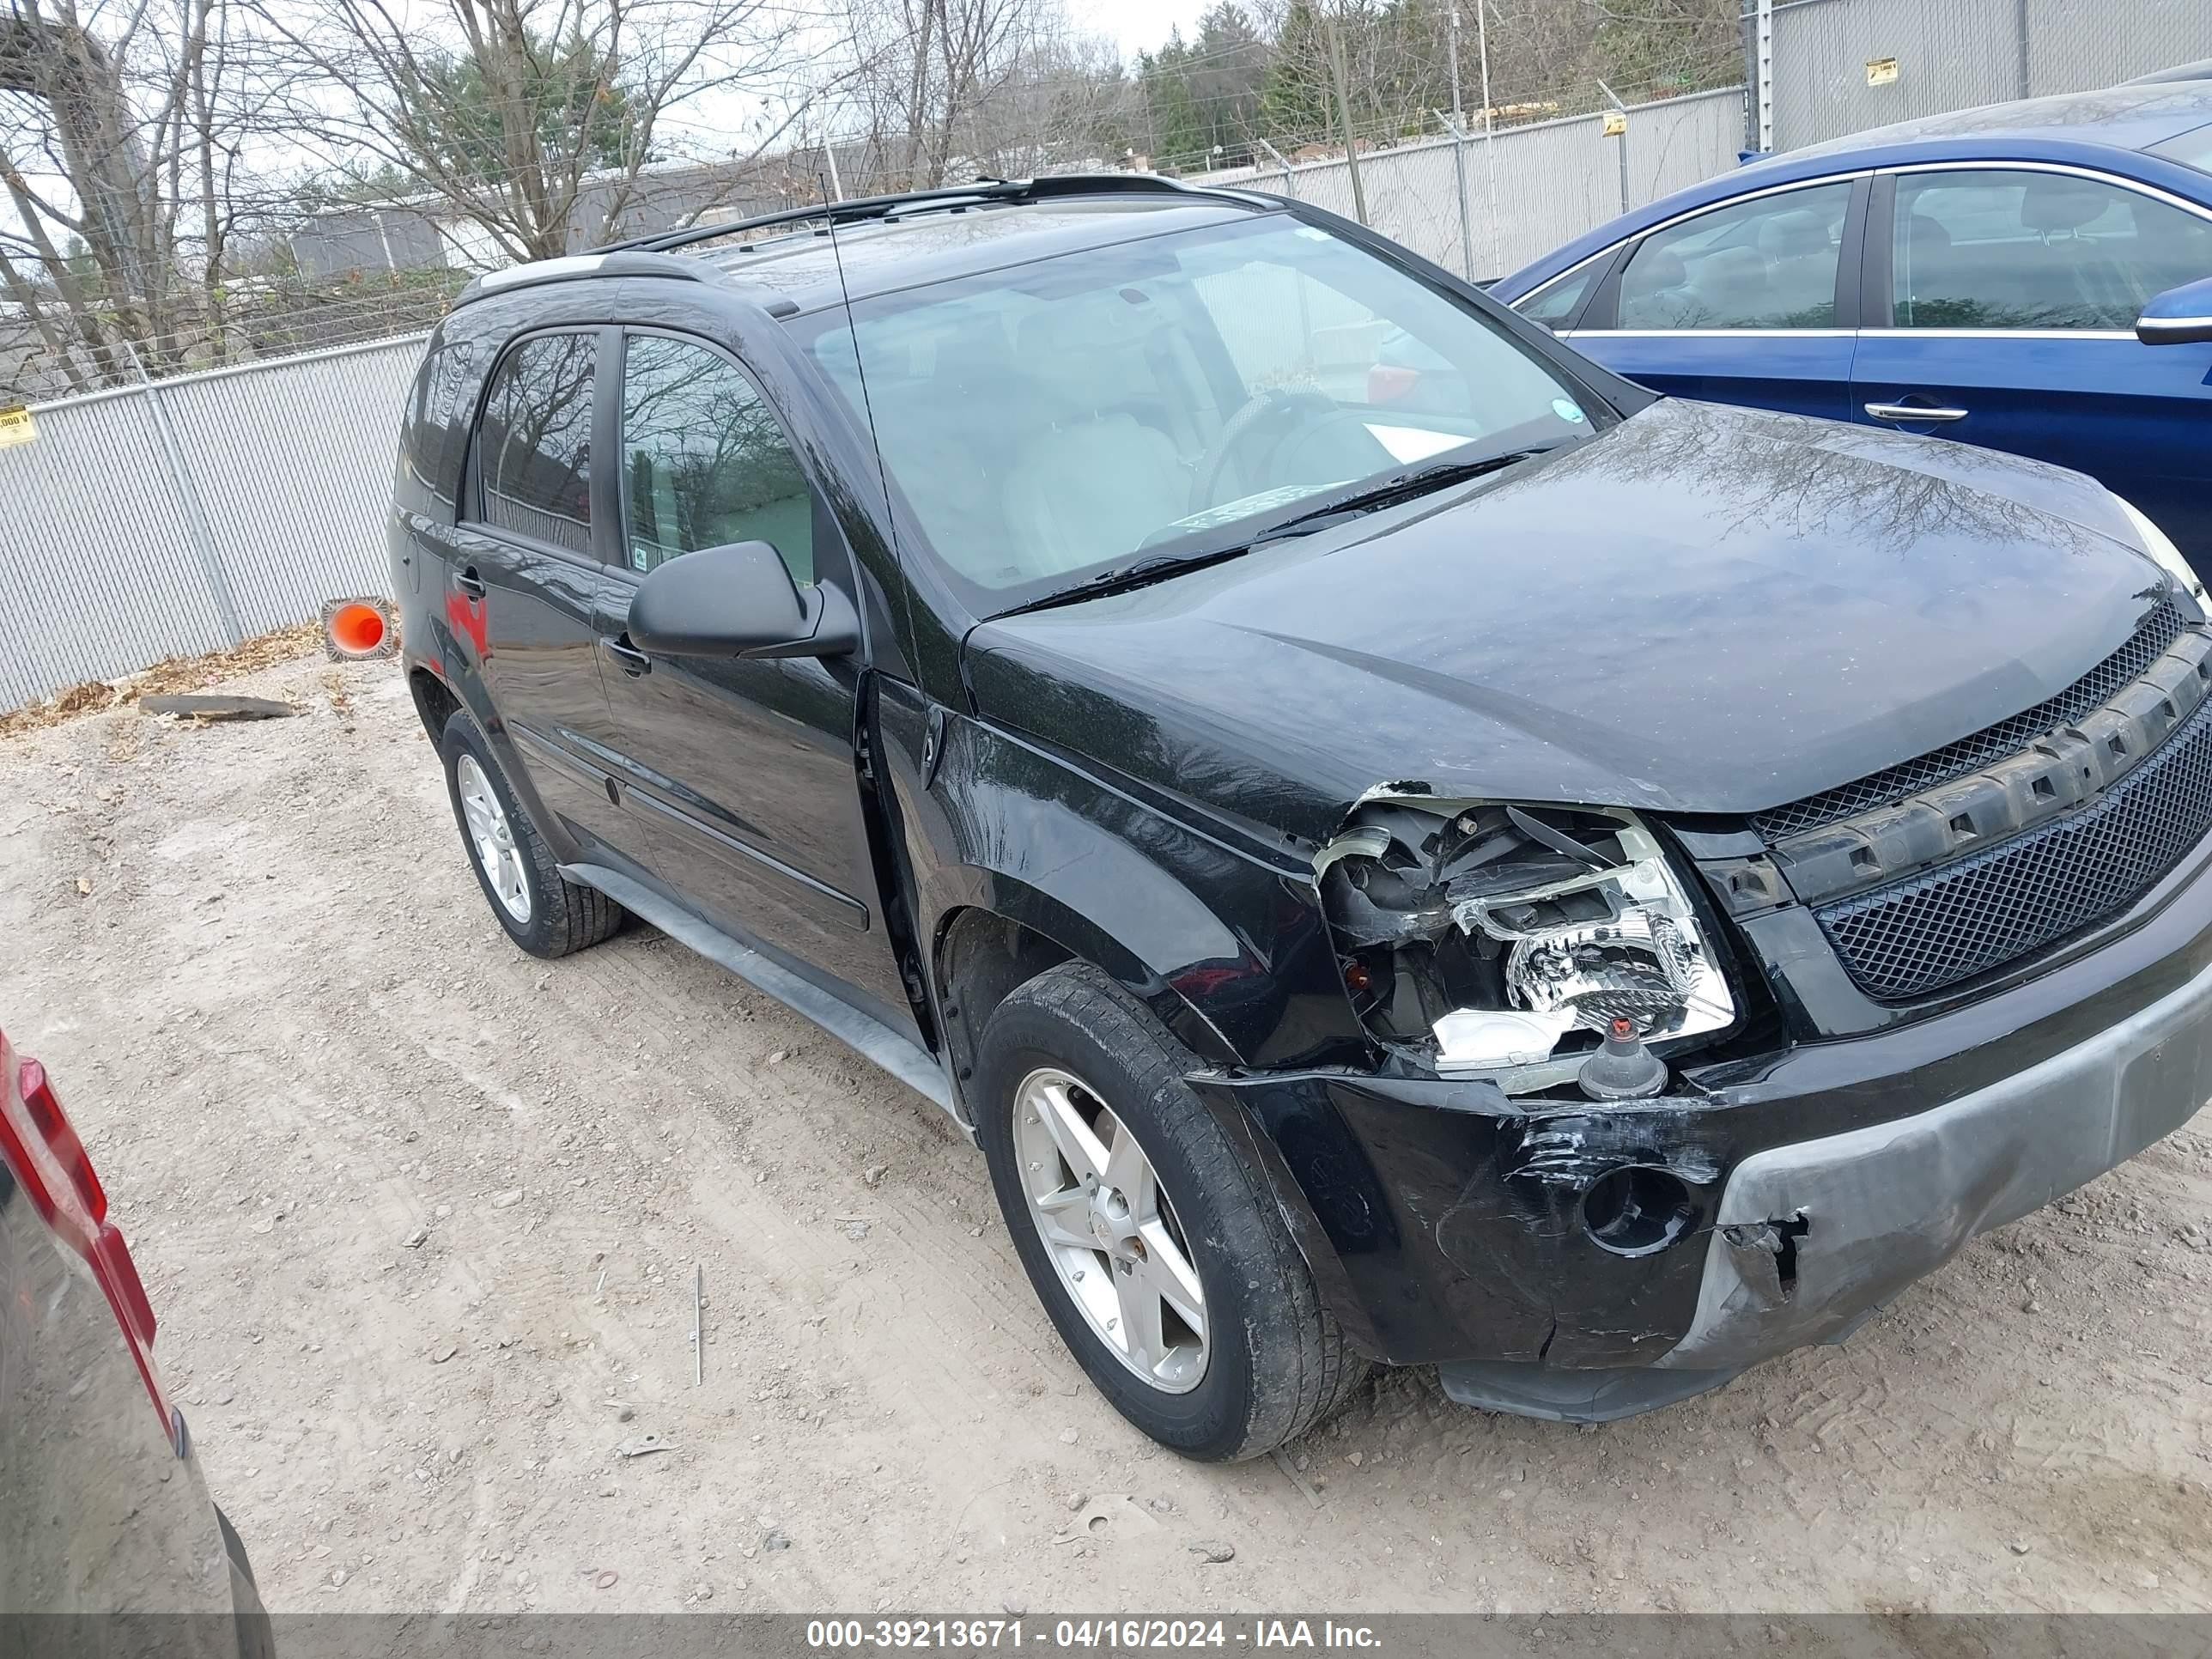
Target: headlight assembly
(1484, 940)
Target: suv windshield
(1171, 396)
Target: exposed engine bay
(1480, 939)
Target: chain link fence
(1482, 205)
(1841, 66)
(158, 506)
(181, 515)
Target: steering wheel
(1269, 404)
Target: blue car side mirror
(2180, 316)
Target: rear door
(745, 769)
(2010, 295)
(1747, 302)
(524, 576)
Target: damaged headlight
(1484, 940)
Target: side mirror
(2180, 316)
(738, 601)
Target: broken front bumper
(1447, 1224)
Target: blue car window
(2014, 250)
(1768, 263)
(1552, 304)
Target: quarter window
(2036, 250)
(1552, 304)
(535, 443)
(705, 462)
(429, 432)
(1769, 262)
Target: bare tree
(938, 82)
(533, 120)
(105, 113)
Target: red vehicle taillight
(52, 1168)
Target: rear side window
(429, 446)
(1769, 262)
(2036, 250)
(705, 462)
(534, 446)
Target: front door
(744, 769)
(1747, 303)
(2012, 305)
(524, 576)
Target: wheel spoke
(1142, 1332)
(1062, 1212)
(1127, 1170)
(1169, 1274)
(1078, 1144)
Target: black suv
(1398, 845)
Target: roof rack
(1057, 186)
(623, 260)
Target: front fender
(1231, 952)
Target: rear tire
(542, 911)
(1254, 1360)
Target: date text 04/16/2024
(832, 1635)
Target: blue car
(2033, 277)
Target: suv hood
(1704, 609)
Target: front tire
(1155, 1246)
(542, 911)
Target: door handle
(634, 661)
(467, 581)
(1909, 412)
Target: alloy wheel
(493, 838)
(1110, 1230)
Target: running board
(905, 1059)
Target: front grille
(2152, 638)
(1919, 935)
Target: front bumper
(1886, 1204)
(1446, 1224)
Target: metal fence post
(1289, 179)
(1764, 63)
(188, 502)
(1622, 109)
(1459, 179)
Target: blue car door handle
(1906, 412)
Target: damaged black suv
(1399, 846)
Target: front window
(705, 462)
(2038, 251)
(1175, 395)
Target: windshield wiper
(1403, 486)
(1400, 487)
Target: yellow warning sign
(1614, 125)
(1880, 71)
(15, 425)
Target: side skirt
(907, 1061)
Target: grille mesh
(2157, 632)
(1919, 936)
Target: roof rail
(620, 261)
(1058, 185)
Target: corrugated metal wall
(140, 524)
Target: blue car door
(1747, 302)
(2011, 294)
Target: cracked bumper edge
(1890, 1202)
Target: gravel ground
(420, 1216)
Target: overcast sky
(1136, 26)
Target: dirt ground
(420, 1214)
